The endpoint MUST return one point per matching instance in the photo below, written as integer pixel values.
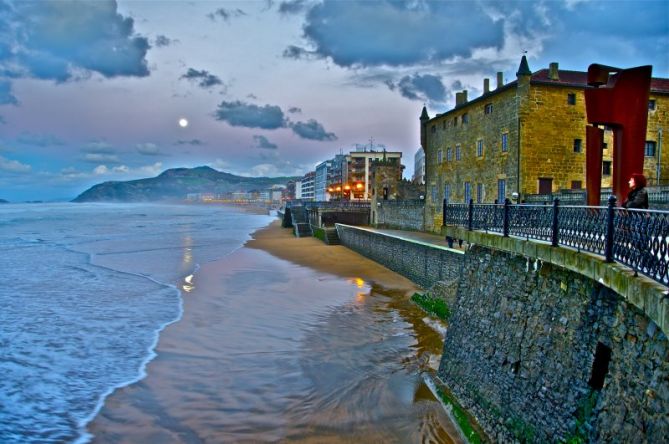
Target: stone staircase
(331, 236)
(302, 229)
(301, 225)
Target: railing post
(555, 228)
(505, 223)
(470, 223)
(608, 243)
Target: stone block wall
(399, 214)
(521, 345)
(421, 263)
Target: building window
(578, 145)
(651, 105)
(449, 154)
(434, 129)
(465, 118)
(447, 191)
(488, 108)
(505, 142)
(439, 156)
(479, 192)
(576, 185)
(468, 192)
(606, 168)
(457, 152)
(571, 99)
(649, 151)
(479, 148)
(501, 190)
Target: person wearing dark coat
(637, 196)
(637, 231)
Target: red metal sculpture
(619, 100)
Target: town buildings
(527, 137)
(419, 166)
(355, 182)
(304, 188)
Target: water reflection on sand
(269, 351)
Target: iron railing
(636, 238)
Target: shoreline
(179, 399)
(335, 259)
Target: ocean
(86, 290)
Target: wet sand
(287, 340)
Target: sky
(92, 91)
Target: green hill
(175, 184)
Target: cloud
(13, 166)
(262, 142)
(312, 130)
(6, 96)
(396, 33)
(426, 88)
(71, 173)
(226, 14)
(100, 170)
(99, 147)
(294, 110)
(161, 41)
(148, 149)
(195, 142)
(292, 7)
(153, 169)
(55, 39)
(250, 116)
(97, 158)
(220, 164)
(203, 78)
(297, 53)
(39, 140)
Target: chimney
(553, 71)
(464, 96)
(458, 99)
(500, 80)
(486, 86)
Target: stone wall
(521, 345)
(419, 262)
(399, 214)
(531, 344)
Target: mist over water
(86, 289)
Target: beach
(286, 340)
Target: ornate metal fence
(636, 238)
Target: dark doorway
(600, 367)
(545, 185)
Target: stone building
(527, 137)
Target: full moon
(183, 123)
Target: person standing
(637, 196)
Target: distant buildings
(527, 136)
(419, 166)
(304, 188)
(321, 180)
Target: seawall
(536, 351)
